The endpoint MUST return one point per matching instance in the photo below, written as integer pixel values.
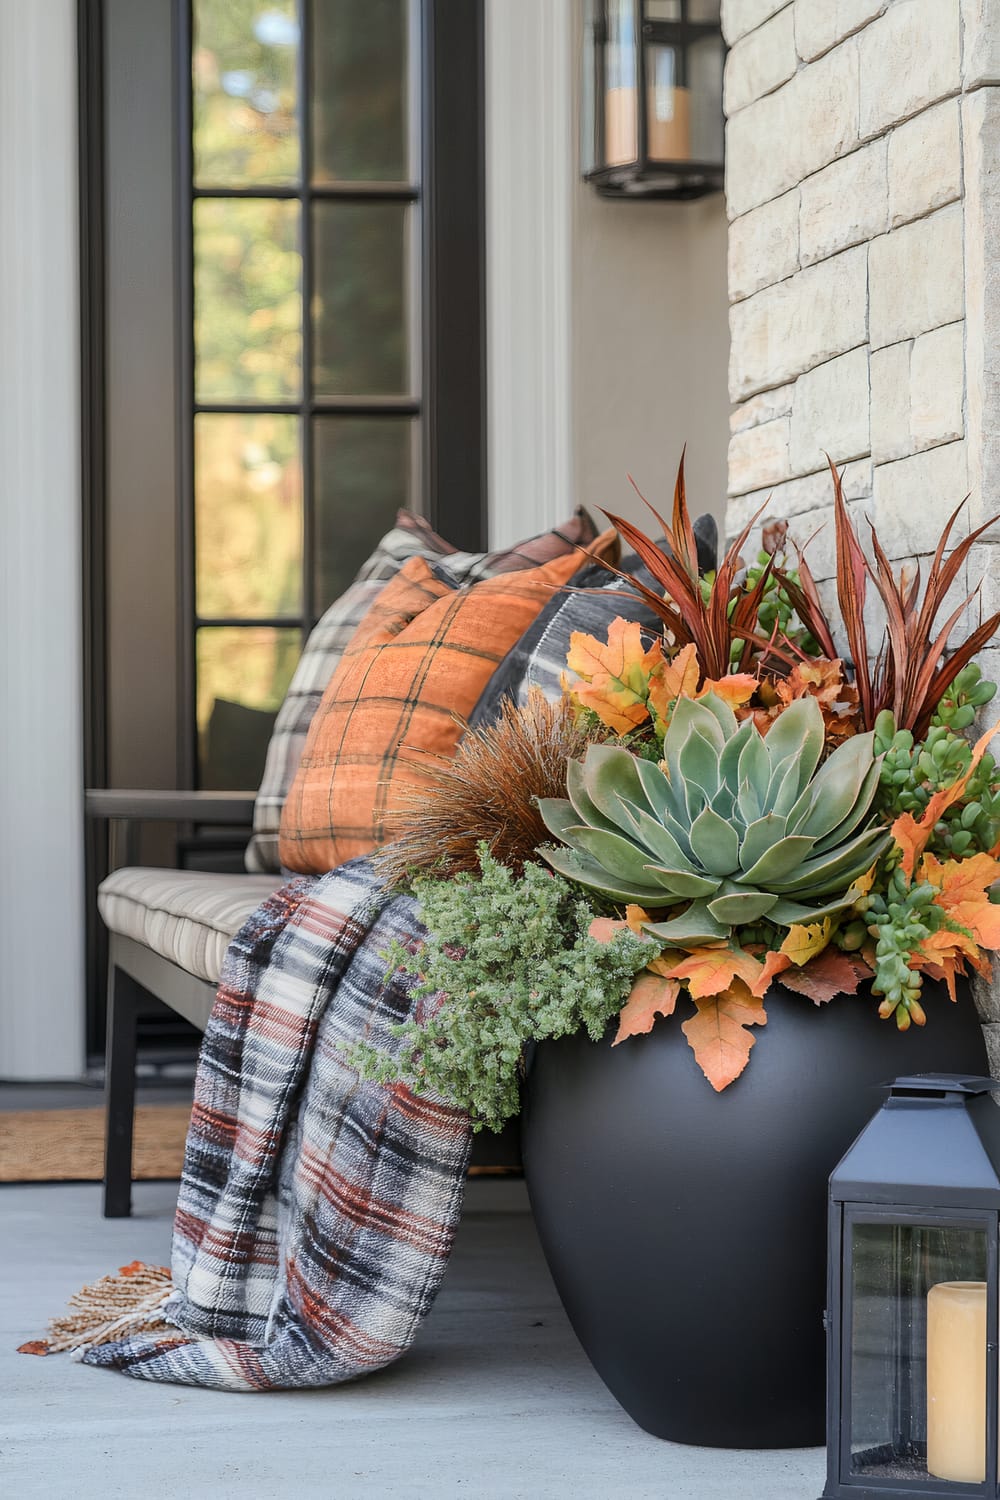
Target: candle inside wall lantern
(912, 1309)
(652, 98)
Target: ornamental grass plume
(487, 793)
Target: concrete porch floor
(495, 1400)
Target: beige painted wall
(650, 350)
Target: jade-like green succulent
(742, 825)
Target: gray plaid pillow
(411, 537)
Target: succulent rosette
(738, 824)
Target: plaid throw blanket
(316, 1213)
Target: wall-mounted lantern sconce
(652, 98)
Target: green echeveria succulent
(744, 826)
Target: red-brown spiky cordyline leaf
(910, 673)
(852, 588)
(805, 600)
(729, 615)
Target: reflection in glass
(243, 674)
(243, 72)
(360, 305)
(247, 300)
(363, 469)
(705, 63)
(248, 516)
(358, 57)
(668, 106)
(895, 1268)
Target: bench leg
(119, 1086)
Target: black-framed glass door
(300, 266)
(283, 340)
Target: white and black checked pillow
(411, 537)
(539, 658)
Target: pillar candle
(956, 1381)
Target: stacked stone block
(864, 218)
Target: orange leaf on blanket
(651, 996)
(912, 837)
(718, 1036)
(709, 971)
(829, 974)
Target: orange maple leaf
(614, 676)
(775, 963)
(943, 955)
(677, 678)
(912, 837)
(709, 971)
(737, 689)
(651, 996)
(603, 929)
(963, 887)
(718, 1036)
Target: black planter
(686, 1230)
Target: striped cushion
(187, 916)
(407, 683)
(411, 537)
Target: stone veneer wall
(863, 191)
(862, 195)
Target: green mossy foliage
(512, 962)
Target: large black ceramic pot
(685, 1229)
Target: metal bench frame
(135, 971)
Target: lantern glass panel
(664, 10)
(668, 105)
(704, 12)
(917, 1335)
(705, 63)
(621, 139)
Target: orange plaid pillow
(410, 677)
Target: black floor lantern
(652, 98)
(912, 1297)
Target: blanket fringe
(115, 1307)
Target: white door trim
(41, 800)
(530, 165)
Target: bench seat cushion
(186, 916)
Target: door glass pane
(358, 60)
(243, 70)
(361, 303)
(248, 516)
(918, 1352)
(243, 674)
(363, 468)
(247, 300)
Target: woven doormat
(67, 1145)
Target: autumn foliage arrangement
(714, 809)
